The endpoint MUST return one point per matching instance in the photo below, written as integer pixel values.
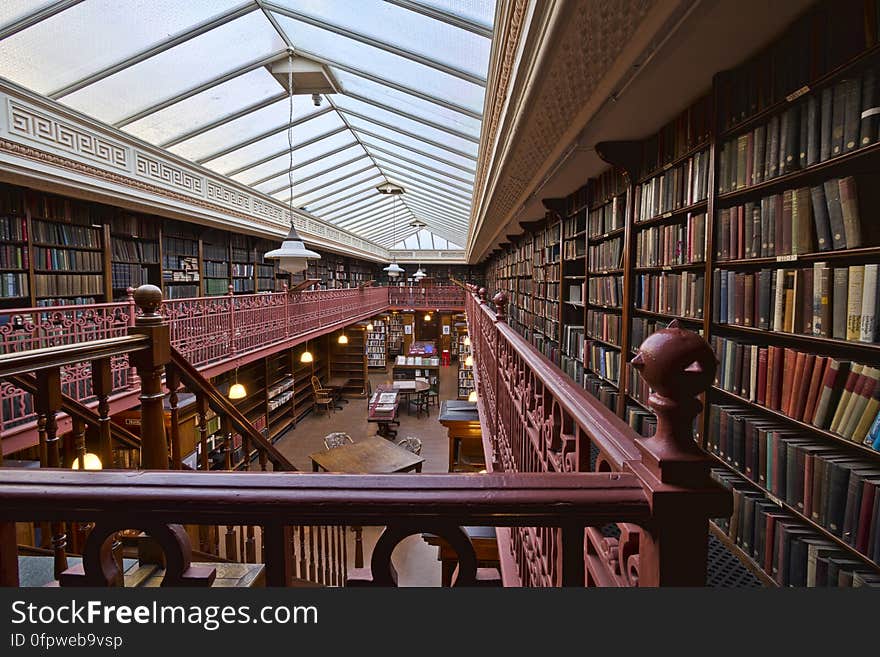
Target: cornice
(54, 145)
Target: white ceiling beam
(445, 17)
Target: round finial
(148, 298)
(482, 293)
(129, 293)
(500, 301)
(676, 363)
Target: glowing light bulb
(306, 357)
(237, 391)
(473, 396)
(343, 339)
(89, 461)
(469, 361)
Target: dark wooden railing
(535, 419)
(548, 505)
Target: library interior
(440, 293)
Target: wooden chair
(337, 439)
(319, 389)
(412, 444)
(324, 399)
(432, 395)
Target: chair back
(336, 439)
(316, 384)
(412, 444)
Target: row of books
(67, 260)
(675, 294)
(575, 224)
(48, 232)
(830, 34)
(642, 327)
(49, 302)
(215, 251)
(601, 390)
(181, 291)
(216, 269)
(574, 248)
(573, 341)
(13, 284)
(640, 420)
(134, 250)
(574, 293)
(241, 270)
(637, 387)
(821, 481)
(134, 226)
(175, 249)
(549, 272)
(674, 244)
(788, 550)
(573, 367)
(607, 254)
(605, 290)
(13, 257)
(543, 323)
(604, 326)
(73, 284)
(683, 134)
(831, 394)
(827, 124)
(678, 187)
(607, 217)
(797, 221)
(13, 229)
(125, 275)
(602, 360)
(215, 286)
(242, 284)
(838, 302)
(546, 291)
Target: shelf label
(667, 215)
(667, 166)
(787, 258)
(667, 267)
(794, 95)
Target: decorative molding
(430, 255)
(44, 131)
(36, 126)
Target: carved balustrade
(536, 419)
(427, 297)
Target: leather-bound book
(838, 118)
(818, 478)
(836, 373)
(784, 247)
(805, 301)
(789, 370)
(837, 491)
(853, 507)
(731, 296)
(802, 218)
(766, 228)
(759, 138)
(724, 251)
(814, 388)
(852, 115)
(717, 277)
(741, 161)
(812, 126)
(763, 439)
(754, 214)
(772, 155)
(738, 368)
(822, 305)
(861, 397)
(818, 548)
(748, 316)
(870, 485)
(849, 204)
(776, 376)
(853, 380)
(868, 327)
(870, 108)
(761, 391)
(738, 299)
(779, 221)
(789, 301)
(820, 218)
(735, 253)
(792, 147)
(825, 118)
(835, 214)
(840, 309)
(854, 302)
(801, 388)
(765, 278)
(778, 320)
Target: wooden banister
(22, 362)
(198, 384)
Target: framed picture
(446, 329)
(407, 328)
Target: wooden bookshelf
(15, 257)
(242, 264)
(348, 362)
(135, 253)
(181, 260)
(693, 200)
(215, 263)
(376, 343)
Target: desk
(373, 455)
(337, 384)
(465, 435)
(383, 418)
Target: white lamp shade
(469, 361)
(370, 326)
(89, 462)
(473, 396)
(343, 339)
(306, 357)
(419, 275)
(293, 256)
(467, 341)
(393, 270)
(237, 391)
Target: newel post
(149, 364)
(679, 365)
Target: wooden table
(371, 455)
(337, 384)
(406, 393)
(462, 422)
(383, 418)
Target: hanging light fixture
(306, 356)
(473, 396)
(343, 338)
(427, 317)
(293, 256)
(419, 275)
(89, 462)
(370, 326)
(237, 390)
(393, 270)
(467, 341)
(469, 361)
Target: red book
(815, 387)
(802, 387)
(774, 377)
(787, 365)
(741, 230)
(865, 512)
(748, 300)
(788, 396)
(761, 394)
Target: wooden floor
(415, 561)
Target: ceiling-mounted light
(393, 270)
(418, 224)
(293, 255)
(343, 338)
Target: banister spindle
(172, 383)
(102, 385)
(233, 348)
(149, 364)
(202, 410)
(48, 402)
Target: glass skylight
(193, 77)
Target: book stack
(607, 217)
(606, 291)
(606, 255)
(676, 188)
(672, 294)
(600, 389)
(375, 344)
(673, 244)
